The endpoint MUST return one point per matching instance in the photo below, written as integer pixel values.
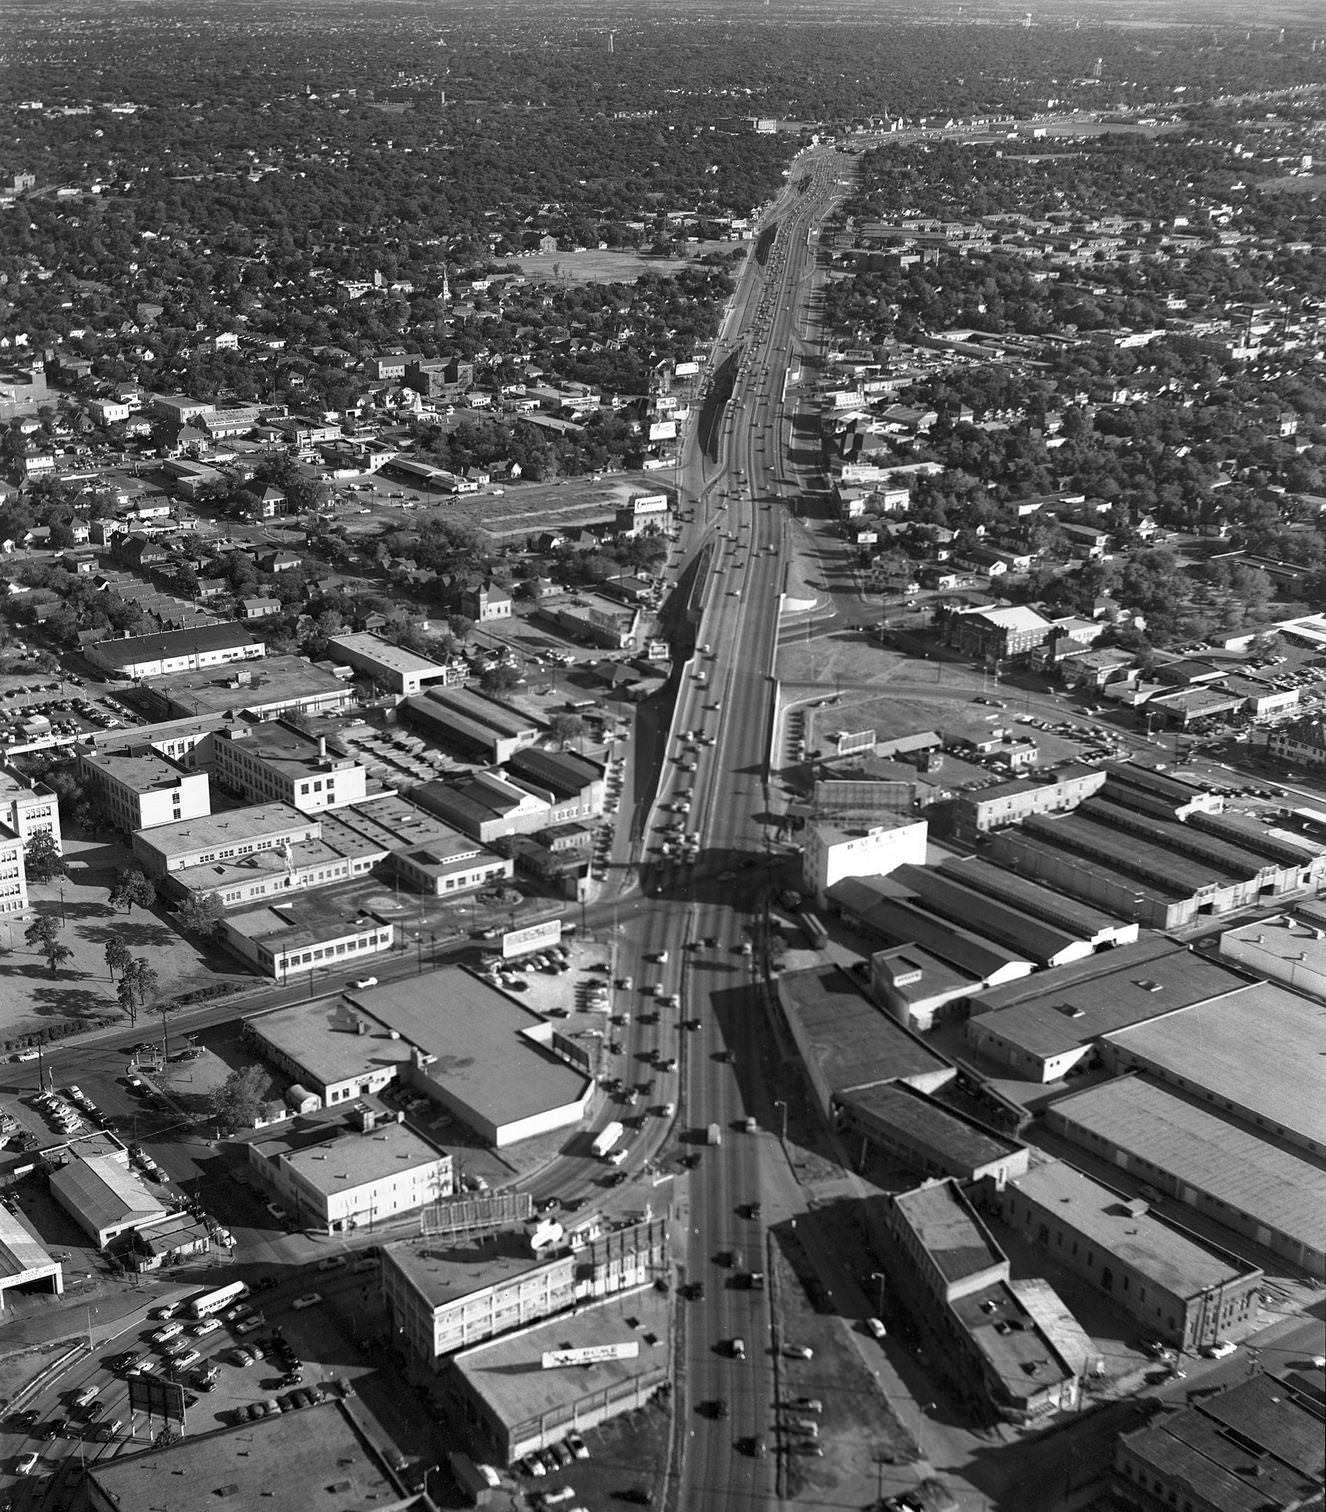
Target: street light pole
(879, 1300)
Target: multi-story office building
(355, 1167)
(441, 1300)
(275, 762)
(13, 876)
(28, 808)
(140, 791)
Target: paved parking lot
(65, 703)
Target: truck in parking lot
(606, 1139)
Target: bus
(214, 1301)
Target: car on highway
(309, 1299)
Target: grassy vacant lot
(81, 990)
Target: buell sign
(593, 1354)
(519, 942)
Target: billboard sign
(846, 741)
(686, 369)
(475, 1214)
(157, 1398)
(663, 430)
(519, 942)
(649, 504)
(593, 1354)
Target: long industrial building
(1242, 1052)
(1190, 1155)
(1255, 1444)
(960, 930)
(1179, 1290)
(484, 729)
(1157, 850)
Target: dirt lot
(520, 508)
(602, 265)
(856, 1426)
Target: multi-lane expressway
(687, 932)
(697, 914)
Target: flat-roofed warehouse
(448, 1035)
(1184, 1292)
(928, 1136)
(1049, 1025)
(519, 1406)
(467, 721)
(395, 667)
(1261, 1190)
(263, 689)
(494, 1064)
(1251, 1053)
(166, 651)
(317, 1460)
(845, 1041)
